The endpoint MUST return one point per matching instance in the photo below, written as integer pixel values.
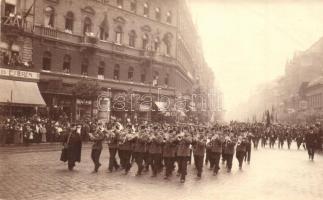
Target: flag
(29, 10)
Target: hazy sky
(249, 42)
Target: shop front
(19, 93)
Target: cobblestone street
(272, 174)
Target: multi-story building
(146, 46)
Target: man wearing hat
(97, 137)
(73, 145)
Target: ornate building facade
(146, 46)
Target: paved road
(272, 174)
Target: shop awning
(20, 93)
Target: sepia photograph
(161, 99)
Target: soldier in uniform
(155, 151)
(241, 150)
(169, 151)
(199, 147)
(125, 148)
(113, 139)
(140, 148)
(216, 151)
(183, 152)
(229, 151)
(97, 137)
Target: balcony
(53, 33)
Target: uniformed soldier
(97, 137)
(183, 151)
(199, 146)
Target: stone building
(146, 46)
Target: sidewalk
(37, 147)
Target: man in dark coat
(311, 141)
(73, 143)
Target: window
(155, 78)
(67, 64)
(84, 67)
(145, 39)
(143, 76)
(157, 14)
(167, 79)
(47, 59)
(167, 40)
(87, 26)
(132, 38)
(156, 44)
(49, 17)
(101, 70)
(119, 35)
(133, 5)
(104, 28)
(169, 17)
(116, 72)
(69, 22)
(130, 73)
(104, 35)
(120, 3)
(10, 7)
(146, 10)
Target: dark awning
(20, 93)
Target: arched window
(168, 43)
(119, 35)
(156, 44)
(130, 73)
(146, 10)
(120, 3)
(47, 60)
(132, 38)
(69, 22)
(67, 64)
(169, 17)
(116, 72)
(133, 5)
(145, 39)
(87, 26)
(84, 67)
(101, 70)
(157, 14)
(49, 17)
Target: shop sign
(19, 73)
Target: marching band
(158, 146)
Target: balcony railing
(56, 34)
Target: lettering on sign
(19, 73)
(105, 2)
